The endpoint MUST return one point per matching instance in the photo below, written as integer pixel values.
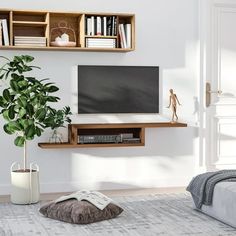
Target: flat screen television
(118, 89)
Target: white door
(218, 57)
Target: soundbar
(83, 139)
(105, 138)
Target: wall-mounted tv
(118, 89)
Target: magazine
(96, 198)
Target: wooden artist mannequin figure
(173, 103)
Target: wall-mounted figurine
(173, 103)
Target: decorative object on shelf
(57, 120)
(173, 100)
(63, 35)
(25, 106)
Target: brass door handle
(218, 91)
(209, 92)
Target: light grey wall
(167, 36)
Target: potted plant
(25, 106)
(57, 120)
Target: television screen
(118, 89)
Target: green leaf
(27, 58)
(14, 85)
(52, 89)
(22, 112)
(30, 132)
(40, 114)
(15, 76)
(14, 125)
(7, 129)
(31, 79)
(30, 109)
(53, 99)
(22, 101)
(6, 94)
(11, 112)
(38, 131)
(22, 84)
(19, 141)
(3, 102)
(5, 114)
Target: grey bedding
(202, 186)
(223, 206)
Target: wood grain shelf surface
(29, 23)
(101, 36)
(68, 145)
(65, 49)
(131, 125)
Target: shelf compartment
(136, 133)
(29, 16)
(65, 23)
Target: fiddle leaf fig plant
(25, 102)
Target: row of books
(101, 25)
(100, 43)
(4, 34)
(30, 41)
(125, 35)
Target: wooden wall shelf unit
(44, 23)
(136, 129)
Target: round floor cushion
(79, 212)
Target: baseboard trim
(101, 186)
(110, 193)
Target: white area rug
(168, 214)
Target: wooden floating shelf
(137, 129)
(65, 49)
(68, 145)
(50, 25)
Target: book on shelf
(30, 41)
(92, 25)
(98, 26)
(128, 35)
(5, 33)
(109, 24)
(101, 25)
(88, 26)
(0, 33)
(122, 36)
(104, 26)
(125, 35)
(100, 43)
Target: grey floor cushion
(223, 205)
(79, 212)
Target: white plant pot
(25, 185)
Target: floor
(150, 215)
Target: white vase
(25, 185)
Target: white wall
(167, 36)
